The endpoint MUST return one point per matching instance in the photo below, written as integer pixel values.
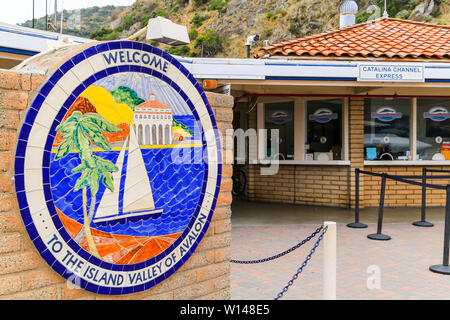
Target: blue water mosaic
(176, 188)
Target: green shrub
(197, 20)
(404, 14)
(198, 3)
(159, 13)
(209, 43)
(193, 34)
(294, 27)
(218, 5)
(144, 20)
(103, 34)
(127, 22)
(179, 51)
(99, 33)
(115, 35)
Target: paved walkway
(402, 263)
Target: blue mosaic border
(20, 163)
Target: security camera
(249, 42)
(252, 39)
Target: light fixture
(163, 30)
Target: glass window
(433, 129)
(386, 128)
(324, 130)
(280, 116)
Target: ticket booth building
(373, 96)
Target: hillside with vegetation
(80, 22)
(219, 28)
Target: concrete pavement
(366, 269)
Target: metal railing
(443, 268)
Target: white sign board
(391, 72)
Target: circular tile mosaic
(117, 167)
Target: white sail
(137, 194)
(109, 205)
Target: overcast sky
(18, 11)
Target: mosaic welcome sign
(117, 167)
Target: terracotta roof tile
(385, 37)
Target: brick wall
(400, 194)
(301, 184)
(25, 275)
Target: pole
(46, 15)
(379, 235)
(55, 18)
(33, 16)
(423, 222)
(357, 224)
(444, 268)
(62, 14)
(329, 261)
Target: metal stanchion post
(423, 222)
(357, 224)
(379, 235)
(444, 268)
(329, 261)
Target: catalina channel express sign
(391, 72)
(117, 167)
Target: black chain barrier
(301, 243)
(400, 178)
(308, 257)
(405, 178)
(443, 268)
(438, 170)
(416, 183)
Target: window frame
(412, 136)
(300, 129)
(413, 145)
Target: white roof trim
(29, 39)
(278, 69)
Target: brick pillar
(356, 145)
(22, 271)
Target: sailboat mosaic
(149, 127)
